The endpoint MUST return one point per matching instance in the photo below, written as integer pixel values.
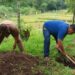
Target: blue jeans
(46, 34)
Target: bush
(28, 10)
(25, 30)
(51, 6)
(44, 7)
(5, 11)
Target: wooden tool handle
(67, 56)
(70, 59)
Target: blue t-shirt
(57, 28)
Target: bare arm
(18, 41)
(1, 38)
(14, 46)
(60, 47)
(15, 33)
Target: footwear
(46, 59)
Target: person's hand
(60, 50)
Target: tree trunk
(73, 18)
(18, 15)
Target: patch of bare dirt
(12, 63)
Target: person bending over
(7, 27)
(58, 29)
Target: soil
(66, 62)
(12, 63)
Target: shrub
(25, 30)
(28, 10)
(5, 11)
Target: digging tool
(67, 56)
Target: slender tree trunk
(18, 15)
(73, 17)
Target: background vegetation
(33, 13)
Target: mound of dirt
(18, 64)
(66, 62)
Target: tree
(60, 4)
(44, 7)
(18, 14)
(52, 5)
(71, 5)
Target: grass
(61, 15)
(34, 45)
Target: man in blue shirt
(58, 29)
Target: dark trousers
(46, 34)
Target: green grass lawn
(34, 45)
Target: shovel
(67, 56)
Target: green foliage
(71, 6)
(61, 4)
(4, 11)
(34, 45)
(28, 10)
(42, 5)
(25, 30)
(52, 5)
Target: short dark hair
(73, 27)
